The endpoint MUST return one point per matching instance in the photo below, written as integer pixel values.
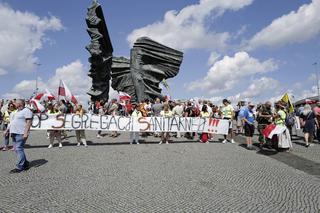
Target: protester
(178, 112)
(190, 111)
(54, 134)
(80, 134)
(113, 110)
(280, 114)
(156, 109)
(167, 113)
(19, 129)
(227, 113)
(134, 136)
(248, 120)
(308, 121)
(264, 118)
(204, 138)
(100, 111)
(238, 115)
(6, 121)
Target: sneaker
(200, 141)
(137, 143)
(207, 142)
(160, 142)
(232, 141)
(5, 149)
(13, 149)
(78, 144)
(99, 136)
(224, 141)
(27, 165)
(131, 143)
(167, 142)
(60, 145)
(50, 146)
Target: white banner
(118, 123)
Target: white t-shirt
(18, 121)
(178, 110)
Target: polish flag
(47, 96)
(37, 105)
(124, 96)
(65, 92)
(272, 130)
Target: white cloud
(229, 71)
(295, 27)
(21, 35)
(188, 28)
(2, 71)
(261, 87)
(74, 75)
(213, 58)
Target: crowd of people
(244, 118)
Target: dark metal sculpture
(101, 51)
(139, 76)
(150, 63)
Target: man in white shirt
(19, 129)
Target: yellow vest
(6, 116)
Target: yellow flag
(287, 100)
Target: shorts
(239, 122)
(248, 130)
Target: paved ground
(111, 176)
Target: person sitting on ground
(167, 113)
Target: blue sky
(263, 48)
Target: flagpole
(317, 73)
(59, 91)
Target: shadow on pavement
(37, 163)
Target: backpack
(290, 120)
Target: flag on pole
(65, 92)
(47, 95)
(37, 105)
(287, 100)
(124, 96)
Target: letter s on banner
(59, 117)
(142, 120)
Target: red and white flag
(124, 96)
(65, 92)
(37, 105)
(46, 96)
(272, 130)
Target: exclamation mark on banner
(212, 124)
